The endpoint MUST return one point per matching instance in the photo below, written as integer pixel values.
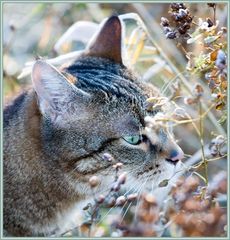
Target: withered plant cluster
(211, 63)
(191, 209)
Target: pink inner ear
(107, 43)
(36, 72)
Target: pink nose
(175, 155)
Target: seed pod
(118, 165)
(213, 5)
(12, 27)
(108, 157)
(213, 150)
(110, 202)
(175, 6)
(221, 60)
(87, 206)
(209, 21)
(149, 198)
(208, 76)
(116, 187)
(174, 16)
(183, 13)
(132, 197)
(182, 5)
(171, 35)
(100, 198)
(120, 201)
(164, 22)
(189, 100)
(212, 84)
(94, 181)
(182, 30)
(189, 19)
(163, 183)
(167, 29)
(224, 29)
(122, 178)
(219, 139)
(198, 90)
(186, 26)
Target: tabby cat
(56, 133)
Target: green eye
(134, 140)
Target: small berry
(198, 90)
(118, 165)
(100, 198)
(111, 202)
(132, 197)
(94, 181)
(167, 29)
(149, 198)
(107, 157)
(122, 178)
(120, 201)
(116, 187)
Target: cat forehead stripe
(94, 74)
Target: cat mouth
(174, 162)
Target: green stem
(202, 143)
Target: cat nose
(175, 156)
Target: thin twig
(202, 143)
(217, 158)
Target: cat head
(96, 106)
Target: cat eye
(134, 140)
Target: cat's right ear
(107, 43)
(55, 93)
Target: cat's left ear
(107, 43)
(56, 94)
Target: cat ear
(55, 93)
(107, 42)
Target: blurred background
(32, 29)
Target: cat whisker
(123, 208)
(105, 215)
(139, 189)
(138, 199)
(153, 187)
(126, 212)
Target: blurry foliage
(182, 50)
